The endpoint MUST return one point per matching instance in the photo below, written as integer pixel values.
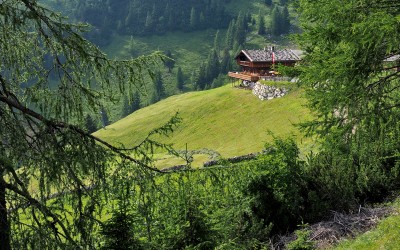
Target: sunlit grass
(228, 120)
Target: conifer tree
(169, 62)
(90, 124)
(135, 104)
(158, 88)
(261, 24)
(43, 132)
(125, 108)
(276, 21)
(240, 30)
(194, 19)
(179, 79)
(285, 20)
(104, 117)
(268, 2)
(225, 61)
(216, 41)
(229, 35)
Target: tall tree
(90, 124)
(216, 41)
(179, 79)
(42, 129)
(285, 20)
(229, 35)
(169, 62)
(158, 88)
(104, 117)
(225, 61)
(268, 2)
(194, 19)
(240, 30)
(261, 24)
(135, 104)
(351, 86)
(125, 107)
(276, 20)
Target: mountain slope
(228, 120)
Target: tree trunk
(4, 226)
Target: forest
(62, 187)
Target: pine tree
(276, 21)
(285, 20)
(261, 24)
(179, 79)
(216, 41)
(268, 2)
(240, 30)
(169, 62)
(148, 27)
(158, 88)
(194, 19)
(225, 61)
(135, 104)
(104, 117)
(212, 67)
(229, 35)
(90, 125)
(43, 132)
(125, 108)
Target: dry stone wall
(265, 92)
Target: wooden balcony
(243, 76)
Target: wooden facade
(258, 63)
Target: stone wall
(264, 92)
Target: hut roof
(265, 55)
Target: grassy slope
(229, 120)
(385, 236)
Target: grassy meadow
(228, 120)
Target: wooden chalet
(258, 63)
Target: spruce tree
(216, 41)
(229, 35)
(240, 30)
(169, 62)
(104, 117)
(179, 79)
(285, 20)
(158, 88)
(90, 124)
(125, 107)
(268, 2)
(225, 61)
(135, 104)
(261, 24)
(276, 21)
(194, 19)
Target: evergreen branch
(61, 125)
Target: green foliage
(158, 88)
(276, 193)
(354, 96)
(169, 62)
(53, 170)
(261, 24)
(302, 241)
(179, 79)
(90, 124)
(118, 232)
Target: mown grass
(228, 120)
(385, 236)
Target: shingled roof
(266, 55)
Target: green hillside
(228, 120)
